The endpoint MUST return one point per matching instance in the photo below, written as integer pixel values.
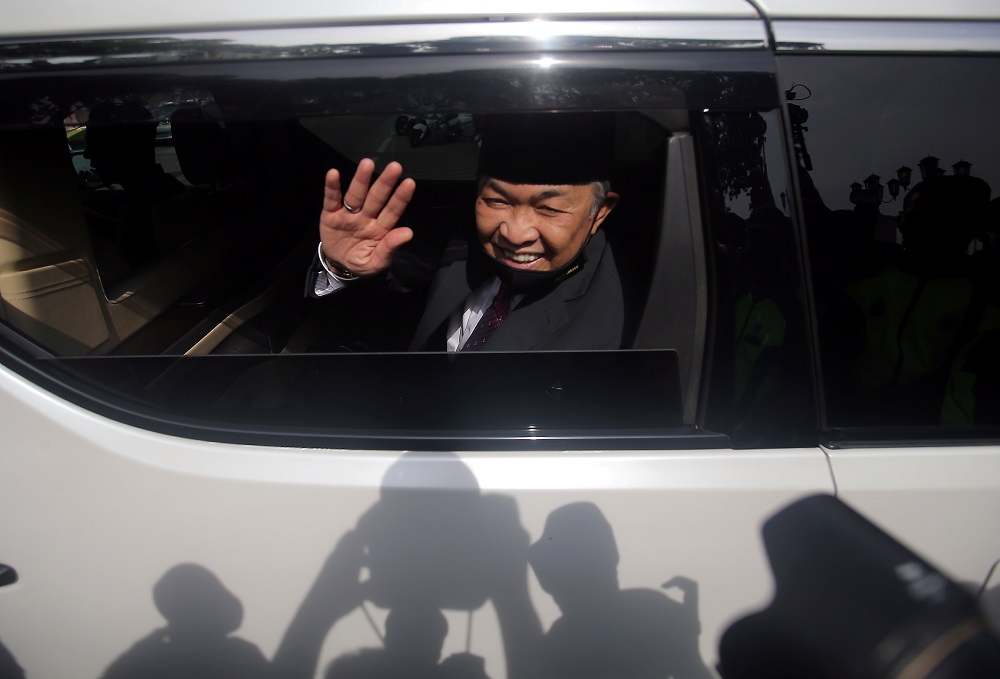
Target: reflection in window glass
(897, 160)
(761, 380)
(434, 146)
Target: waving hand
(358, 227)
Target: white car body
(95, 510)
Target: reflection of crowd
(906, 330)
(769, 326)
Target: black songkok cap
(548, 148)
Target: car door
(897, 162)
(186, 491)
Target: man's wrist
(335, 269)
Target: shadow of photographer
(435, 542)
(197, 641)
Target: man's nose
(520, 226)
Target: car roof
(54, 18)
(69, 17)
(962, 10)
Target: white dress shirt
(462, 322)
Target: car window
(176, 261)
(761, 383)
(897, 166)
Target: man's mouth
(520, 258)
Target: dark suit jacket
(584, 311)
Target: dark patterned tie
(490, 321)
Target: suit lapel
(535, 320)
(448, 292)
(528, 325)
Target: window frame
(744, 57)
(810, 40)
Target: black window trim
(22, 358)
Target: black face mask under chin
(521, 281)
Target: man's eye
(549, 210)
(494, 202)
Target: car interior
(210, 254)
(160, 229)
(195, 236)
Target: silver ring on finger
(352, 210)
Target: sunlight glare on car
(545, 62)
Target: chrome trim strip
(67, 18)
(887, 36)
(383, 40)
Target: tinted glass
(897, 158)
(760, 388)
(171, 225)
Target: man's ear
(609, 204)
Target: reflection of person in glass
(606, 631)
(928, 320)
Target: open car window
(166, 245)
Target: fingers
(358, 190)
(332, 198)
(391, 242)
(364, 238)
(379, 193)
(396, 203)
(363, 196)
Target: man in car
(538, 274)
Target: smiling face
(537, 227)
